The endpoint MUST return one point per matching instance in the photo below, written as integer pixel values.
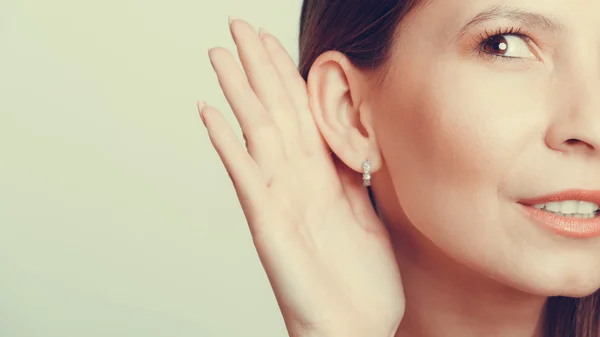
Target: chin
(574, 291)
(557, 283)
(577, 291)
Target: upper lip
(574, 194)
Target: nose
(576, 128)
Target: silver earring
(366, 173)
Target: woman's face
(474, 119)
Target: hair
(364, 31)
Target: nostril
(578, 143)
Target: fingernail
(201, 105)
(262, 32)
(232, 18)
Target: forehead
(436, 27)
(540, 14)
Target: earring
(366, 173)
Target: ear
(337, 93)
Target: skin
(456, 138)
(459, 138)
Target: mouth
(574, 213)
(570, 208)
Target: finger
(265, 143)
(290, 78)
(244, 172)
(264, 79)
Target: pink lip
(566, 226)
(583, 195)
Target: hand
(326, 254)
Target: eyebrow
(529, 19)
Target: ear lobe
(336, 93)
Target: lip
(565, 226)
(574, 194)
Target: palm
(330, 267)
(327, 255)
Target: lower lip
(566, 226)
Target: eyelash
(486, 36)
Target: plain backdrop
(117, 217)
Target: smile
(572, 213)
(571, 208)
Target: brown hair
(364, 31)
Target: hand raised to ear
(327, 255)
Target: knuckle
(264, 60)
(282, 100)
(242, 85)
(264, 130)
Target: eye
(507, 45)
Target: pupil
(496, 45)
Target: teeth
(554, 206)
(570, 207)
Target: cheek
(454, 136)
(462, 127)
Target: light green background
(116, 216)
